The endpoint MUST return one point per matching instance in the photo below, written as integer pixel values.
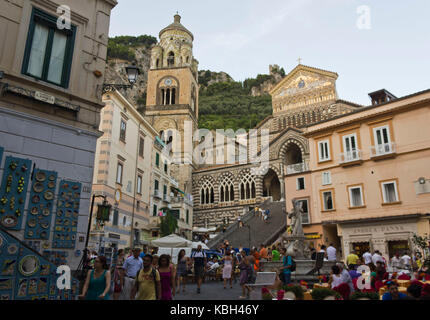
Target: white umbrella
(196, 244)
(171, 241)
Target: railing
(175, 200)
(166, 198)
(351, 156)
(297, 168)
(157, 194)
(382, 149)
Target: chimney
(381, 96)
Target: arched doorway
(272, 186)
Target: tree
(168, 223)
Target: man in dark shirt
(199, 260)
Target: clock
(118, 195)
(168, 82)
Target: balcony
(157, 194)
(351, 157)
(180, 200)
(297, 168)
(382, 151)
(166, 198)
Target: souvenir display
(41, 204)
(13, 192)
(58, 258)
(67, 215)
(26, 275)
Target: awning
(179, 190)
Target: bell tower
(173, 93)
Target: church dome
(176, 25)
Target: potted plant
(359, 295)
(297, 290)
(323, 293)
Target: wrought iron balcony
(297, 168)
(382, 149)
(157, 194)
(166, 198)
(351, 156)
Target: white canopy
(196, 244)
(171, 241)
(203, 230)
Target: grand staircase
(255, 231)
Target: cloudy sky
(385, 44)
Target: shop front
(388, 235)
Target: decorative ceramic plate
(41, 176)
(45, 212)
(34, 211)
(30, 233)
(51, 184)
(32, 223)
(45, 225)
(76, 187)
(49, 195)
(38, 187)
(9, 221)
(35, 199)
(59, 213)
(51, 177)
(43, 235)
(29, 265)
(1, 241)
(12, 249)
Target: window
(139, 184)
(326, 178)
(165, 190)
(157, 160)
(124, 221)
(115, 217)
(324, 150)
(123, 128)
(165, 166)
(327, 197)
(156, 185)
(356, 196)
(49, 51)
(350, 148)
(390, 192)
(154, 211)
(119, 173)
(187, 218)
(137, 205)
(382, 140)
(300, 183)
(141, 146)
(176, 214)
(305, 208)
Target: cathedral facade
(224, 192)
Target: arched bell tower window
(168, 92)
(158, 63)
(171, 59)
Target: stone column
(259, 188)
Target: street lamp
(132, 75)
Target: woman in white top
(335, 277)
(227, 270)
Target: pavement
(210, 290)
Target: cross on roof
(299, 60)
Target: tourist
(406, 261)
(377, 257)
(167, 277)
(323, 250)
(367, 256)
(97, 283)
(263, 252)
(396, 263)
(182, 270)
(227, 270)
(256, 259)
(414, 289)
(346, 278)
(199, 260)
(144, 252)
(276, 256)
(287, 262)
(313, 254)
(147, 285)
(132, 266)
(352, 260)
(245, 271)
(393, 292)
(331, 253)
(155, 261)
(379, 276)
(256, 211)
(335, 277)
(118, 274)
(235, 264)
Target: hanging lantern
(103, 211)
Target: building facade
(123, 173)
(369, 185)
(50, 102)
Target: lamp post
(132, 75)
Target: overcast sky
(242, 37)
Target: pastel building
(368, 183)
